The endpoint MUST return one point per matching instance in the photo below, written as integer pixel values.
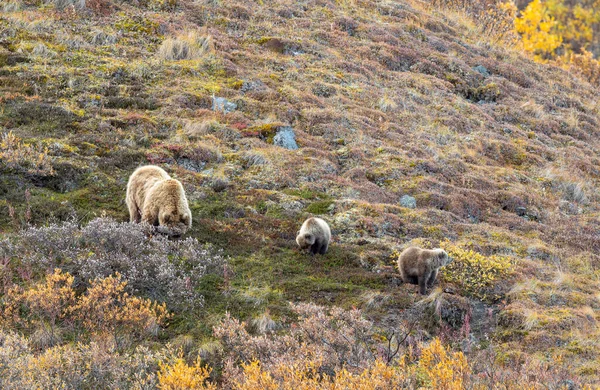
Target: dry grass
(188, 46)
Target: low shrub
(475, 274)
(178, 375)
(103, 309)
(152, 265)
(333, 349)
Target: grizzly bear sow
(155, 198)
(421, 266)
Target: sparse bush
(184, 47)
(475, 274)
(78, 366)
(154, 267)
(17, 156)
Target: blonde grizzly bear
(420, 266)
(155, 198)
(314, 234)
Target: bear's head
(305, 240)
(443, 257)
(173, 222)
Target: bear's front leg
(432, 278)
(423, 283)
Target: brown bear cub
(420, 266)
(314, 235)
(154, 197)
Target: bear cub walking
(154, 197)
(314, 234)
(420, 266)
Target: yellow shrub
(107, 307)
(444, 370)
(306, 376)
(104, 308)
(180, 376)
(438, 368)
(476, 274)
(538, 30)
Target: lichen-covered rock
(482, 70)
(286, 138)
(224, 105)
(408, 201)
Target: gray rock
(286, 138)
(482, 70)
(222, 104)
(408, 201)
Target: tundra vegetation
(467, 125)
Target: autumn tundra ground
(398, 122)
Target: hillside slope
(387, 100)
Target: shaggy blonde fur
(420, 266)
(314, 234)
(155, 198)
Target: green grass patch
(319, 207)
